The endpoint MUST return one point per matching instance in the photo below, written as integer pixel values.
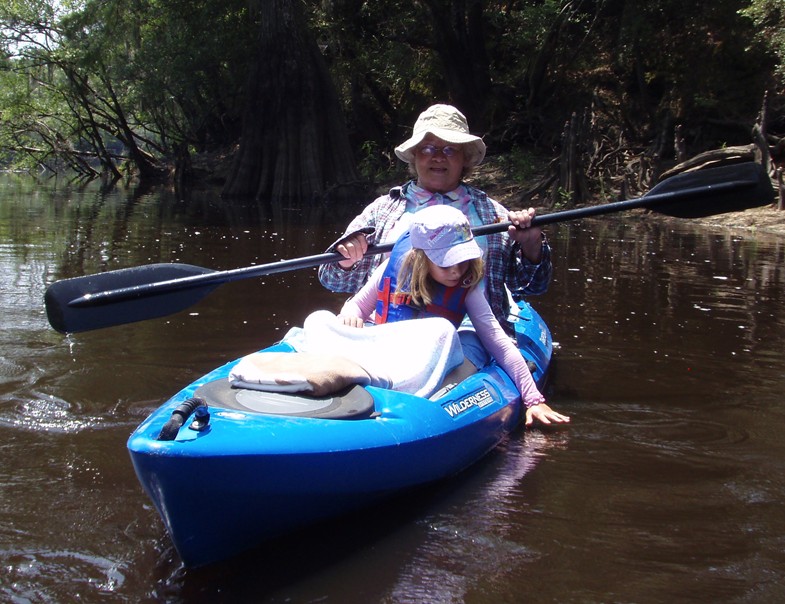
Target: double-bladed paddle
(156, 290)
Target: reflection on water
(472, 537)
(667, 486)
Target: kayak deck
(265, 464)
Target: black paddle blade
(730, 188)
(67, 317)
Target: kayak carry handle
(201, 421)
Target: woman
(440, 152)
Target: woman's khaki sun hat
(448, 124)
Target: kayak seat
(460, 373)
(455, 377)
(352, 402)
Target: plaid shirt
(503, 261)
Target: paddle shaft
(156, 290)
(220, 277)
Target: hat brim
(474, 147)
(454, 254)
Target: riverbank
(495, 181)
(767, 219)
(498, 179)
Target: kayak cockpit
(349, 403)
(352, 402)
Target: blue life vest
(448, 302)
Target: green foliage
(524, 164)
(564, 199)
(768, 17)
(142, 79)
(377, 165)
(90, 82)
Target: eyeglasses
(430, 150)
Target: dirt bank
(767, 219)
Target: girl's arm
(501, 348)
(363, 303)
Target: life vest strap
(400, 298)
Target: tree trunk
(458, 29)
(294, 145)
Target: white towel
(408, 356)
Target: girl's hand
(351, 321)
(543, 413)
(527, 237)
(353, 249)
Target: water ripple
(48, 413)
(27, 572)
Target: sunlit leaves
(152, 74)
(769, 19)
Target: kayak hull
(246, 477)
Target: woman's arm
(377, 218)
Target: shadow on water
(666, 487)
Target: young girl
(436, 269)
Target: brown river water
(667, 486)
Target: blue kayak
(248, 465)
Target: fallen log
(714, 157)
